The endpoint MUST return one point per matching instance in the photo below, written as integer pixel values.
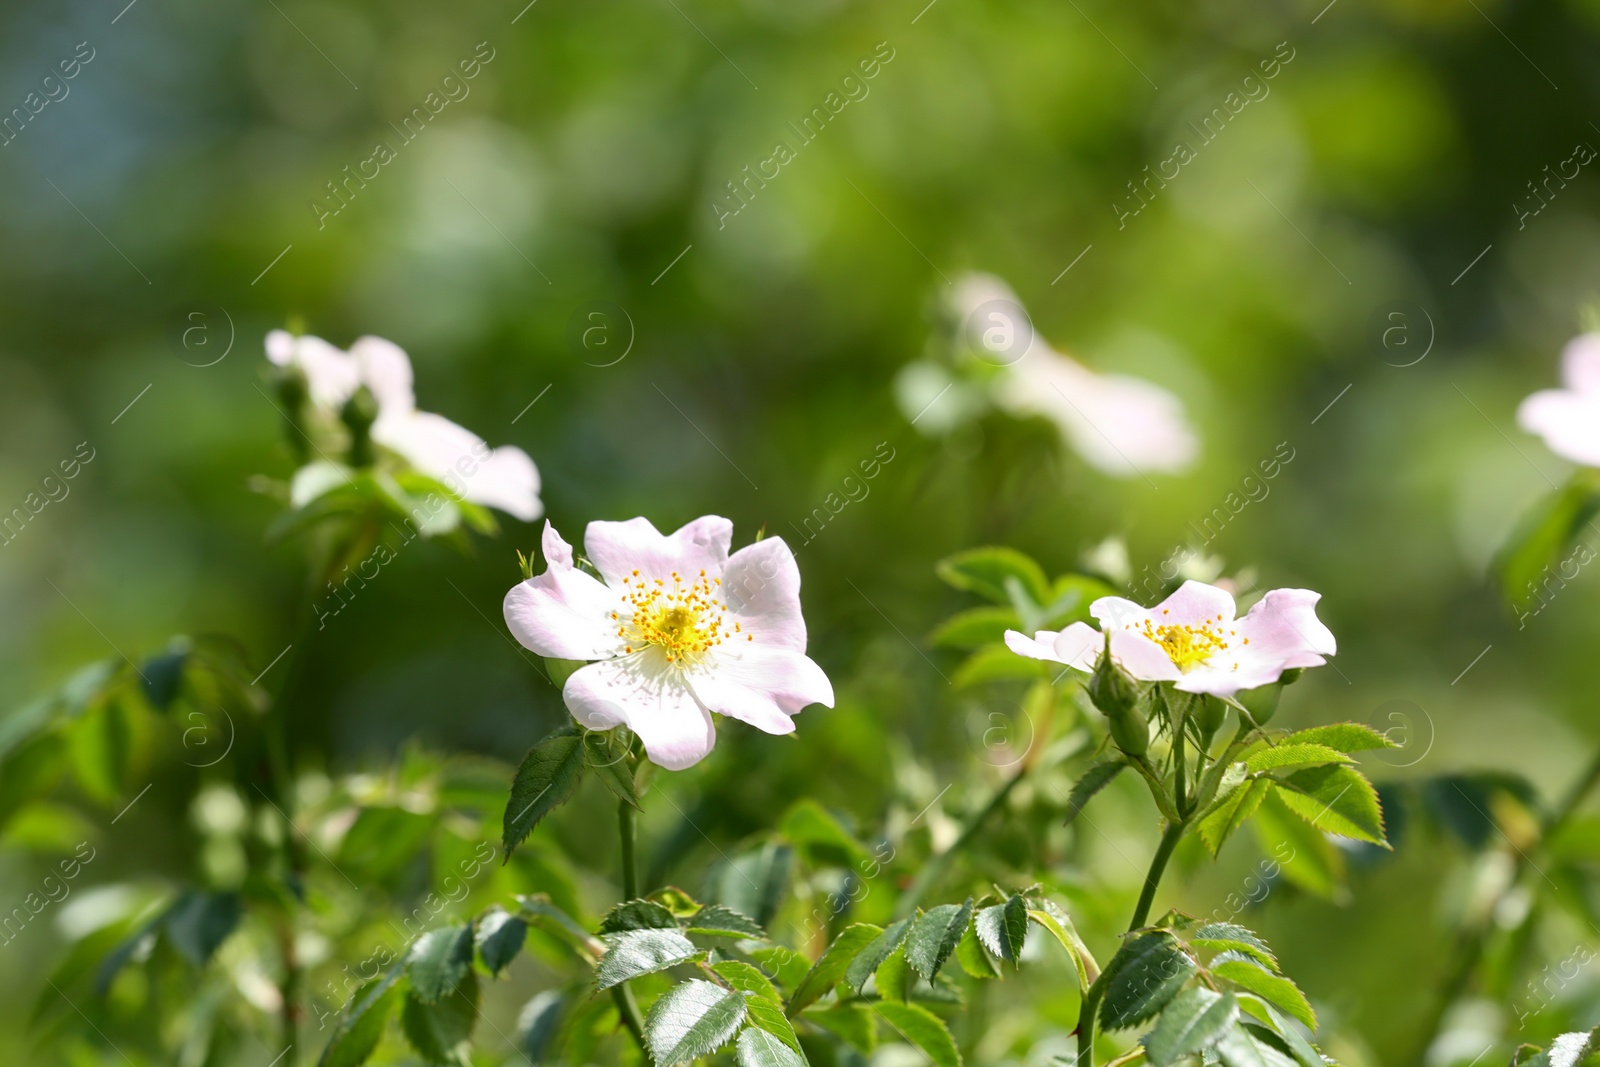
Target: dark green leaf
(438, 960)
(360, 1027)
(692, 1020)
(634, 952)
(500, 936)
(1544, 534)
(786, 966)
(548, 778)
(638, 915)
(161, 676)
(894, 977)
(440, 1030)
(1003, 928)
(1094, 779)
(1235, 809)
(984, 571)
(1235, 938)
(871, 958)
(1344, 736)
(1236, 1049)
(934, 937)
(1193, 1021)
(923, 1029)
(607, 756)
(758, 1048)
(832, 964)
(1337, 800)
(199, 922)
(721, 921)
(975, 628)
(1248, 973)
(538, 1023)
(1145, 974)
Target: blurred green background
(582, 170)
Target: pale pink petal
(507, 480)
(1118, 613)
(1080, 646)
(386, 370)
(1142, 657)
(759, 684)
(280, 347)
(617, 549)
(564, 613)
(1580, 363)
(1195, 604)
(1283, 626)
(761, 585)
(331, 376)
(651, 698)
(504, 478)
(1227, 673)
(1568, 421)
(1040, 646)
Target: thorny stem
(627, 1007)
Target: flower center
(1188, 645)
(685, 619)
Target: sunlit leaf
(635, 952)
(692, 1020)
(1192, 1022)
(548, 778)
(921, 1028)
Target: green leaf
(440, 1030)
(1248, 973)
(548, 778)
(973, 957)
(812, 827)
(382, 840)
(921, 1028)
(786, 966)
(869, 959)
(1337, 800)
(1232, 813)
(934, 937)
(767, 1014)
(1003, 928)
(1235, 938)
(832, 964)
(1299, 754)
(360, 1027)
(851, 1023)
(753, 882)
(1545, 533)
(537, 910)
(1145, 974)
(1302, 854)
(1192, 1022)
(975, 628)
(438, 960)
(747, 979)
(719, 921)
(634, 952)
(1094, 779)
(894, 977)
(538, 1023)
(758, 1048)
(638, 915)
(1236, 1049)
(692, 1020)
(606, 754)
(199, 922)
(996, 663)
(984, 571)
(500, 936)
(1344, 736)
(162, 675)
(1059, 925)
(101, 745)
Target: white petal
(1042, 645)
(761, 585)
(1580, 363)
(504, 478)
(1080, 645)
(557, 552)
(650, 697)
(1284, 625)
(331, 376)
(507, 480)
(617, 549)
(759, 684)
(314, 479)
(1118, 613)
(1568, 421)
(564, 612)
(280, 347)
(386, 370)
(1195, 603)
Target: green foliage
(548, 778)
(1192, 1023)
(638, 952)
(693, 1020)
(923, 1029)
(934, 936)
(831, 966)
(1144, 975)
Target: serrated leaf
(1145, 974)
(758, 1048)
(973, 957)
(1298, 754)
(934, 936)
(1003, 928)
(607, 756)
(1248, 973)
(870, 958)
(1236, 1049)
(692, 1020)
(1235, 938)
(720, 921)
(1344, 736)
(747, 979)
(638, 915)
(851, 1023)
(360, 1026)
(975, 628)
(1059, 925)
(1193, 1021)
(923, 1029)
(1302, 854)
(632, 953)
(832, 964)
(1232, 813)
(548, 778)
(440, 1030)
(763, 1013)
(1094, 779)
(1337, 800)
(500, 936)
(786, 966)
(984, 571)
(438, 960)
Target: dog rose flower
(677, 629)
(1193, 639)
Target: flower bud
(1131, 731)
(1262, 702)
(359, 413)
(293, 393)
(1115, 694)
(1209, 715)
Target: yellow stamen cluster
(1188, 645)
(684, 618)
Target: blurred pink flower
(1569, 419)
(678, 629)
